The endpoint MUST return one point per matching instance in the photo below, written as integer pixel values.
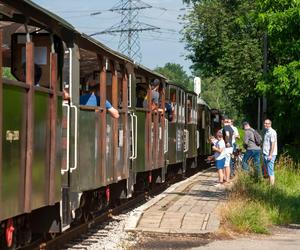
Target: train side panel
(13, 146)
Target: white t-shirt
(270, 137)
(235, 133)
(221, 145)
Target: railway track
(86, 234)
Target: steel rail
(76, 231)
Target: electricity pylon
(129, 27)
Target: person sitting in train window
(37, 74)
(93, 99)
(169, 110)
(141, 93)
(173, 104)
(155, 96)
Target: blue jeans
(255, 155)
(269, 164)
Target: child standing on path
(219, 156)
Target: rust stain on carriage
(53, 128)
(102, 134)
(30, 123)
(1, 119)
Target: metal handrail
(166, 135)
(198, 139)
(135, 138)
(63, 171)
(132, 137)
(75, 139)
(186, 133)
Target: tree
(224, 42)
(281, 21)
(176, 74)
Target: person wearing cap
(155, 96)
(252, 150)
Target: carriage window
(182, 107)
(189, 104)
(173, 100)
(141, 93)
(66, 69)
(195, 110)
(42, 45)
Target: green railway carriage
(191, 131)
(97, 155)
(176, 127)
(150, 130)
(205, 128)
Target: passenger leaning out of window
(154, 98)
(92, 99)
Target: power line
(129, 27)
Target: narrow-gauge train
(61, 162)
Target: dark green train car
(176, 127)
(149, 160)
(98, 146)
(191, 130)
(204, 128)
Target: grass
(254, 205)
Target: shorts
(269, 164)
(220, 163)
(227, 159)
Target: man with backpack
(252, 143)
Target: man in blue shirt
(90, 99)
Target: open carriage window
(194, 110)
(141, 93)
(181, 113)
(42, 49)
(189, 104)
(173, 100)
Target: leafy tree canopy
(176, 74)
(225, 41)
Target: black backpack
(257, 137)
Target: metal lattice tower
(129, 27)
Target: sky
(157, 47)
